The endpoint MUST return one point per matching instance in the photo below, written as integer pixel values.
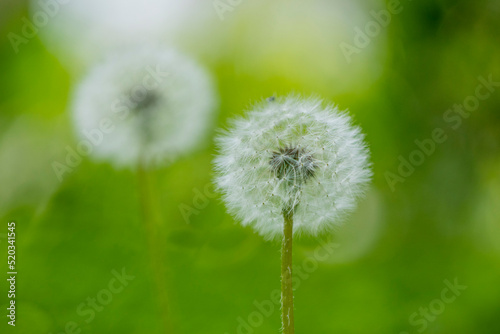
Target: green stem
(152, 224)
(286, 276)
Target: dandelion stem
(286, 276)
(152, 224)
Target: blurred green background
(441, 223)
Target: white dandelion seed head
(151, 105)
(81, 32)
(292, 155)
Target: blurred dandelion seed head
(292, 154)
(156, 104)
(81, 32)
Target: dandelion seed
(140, 109)
(317, 164)
(80, 33)
(157, 104)
(315, 167)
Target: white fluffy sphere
(144, 106)
(292, 155)
(81, 32)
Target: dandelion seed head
(292, 155)
(151, 105)
(79, 33)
